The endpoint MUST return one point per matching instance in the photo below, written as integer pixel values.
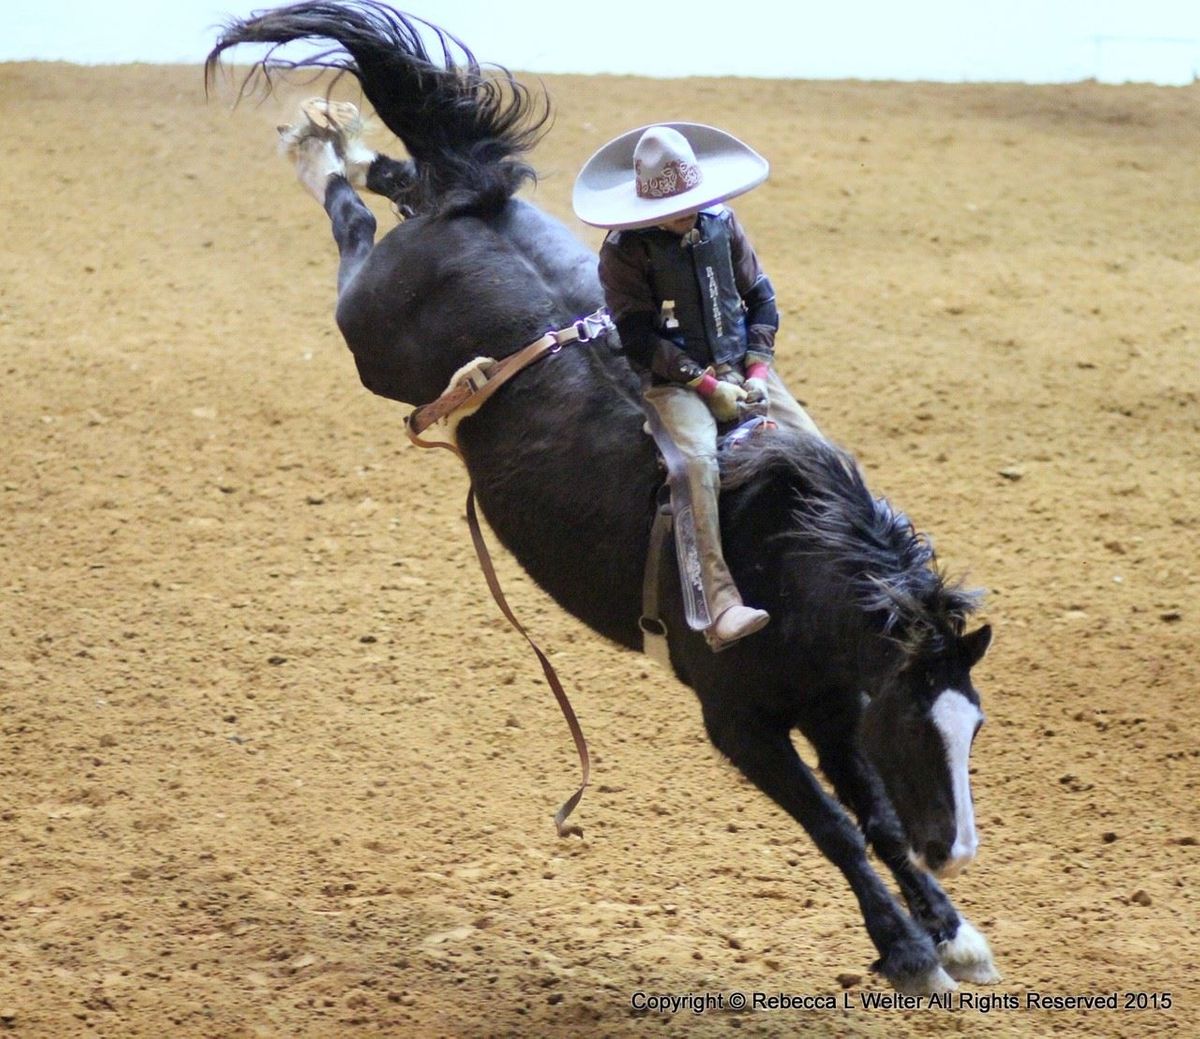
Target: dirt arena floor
(273, 765)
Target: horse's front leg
(962, 950)
(762, 750)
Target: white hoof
(967, 956)
(339, 123)
(934, 982)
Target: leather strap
(654, 629)
(564, 704)
(476, 391)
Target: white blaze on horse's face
(918, 737)
(957, 720)
(917, 732)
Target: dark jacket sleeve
(762, 315)
(625, 277)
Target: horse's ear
(976, 644)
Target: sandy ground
(272, 765)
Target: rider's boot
(735, 622)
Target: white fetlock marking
(968, 957)
(315, 161)
(358, 160)
(935, 981)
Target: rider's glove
(756, 383)
(721, 397)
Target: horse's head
(917, 732)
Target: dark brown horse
(866, 653)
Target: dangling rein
(472, 388)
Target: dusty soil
(273, 765)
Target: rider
(695, 312)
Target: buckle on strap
(584, 329)
(480, 378)
(477, 375)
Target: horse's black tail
(465, 130)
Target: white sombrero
(658, 172)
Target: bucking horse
(867, 653)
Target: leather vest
(697, 273)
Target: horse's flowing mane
(465, 128)
(892, 568)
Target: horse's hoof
(336, 122)
(911, 965)
(967, 956)
(934, 981)
(333, 118)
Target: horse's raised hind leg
(763, 752)
(962, 950)
(328, 155)
(353, 226)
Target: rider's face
(679, 225)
